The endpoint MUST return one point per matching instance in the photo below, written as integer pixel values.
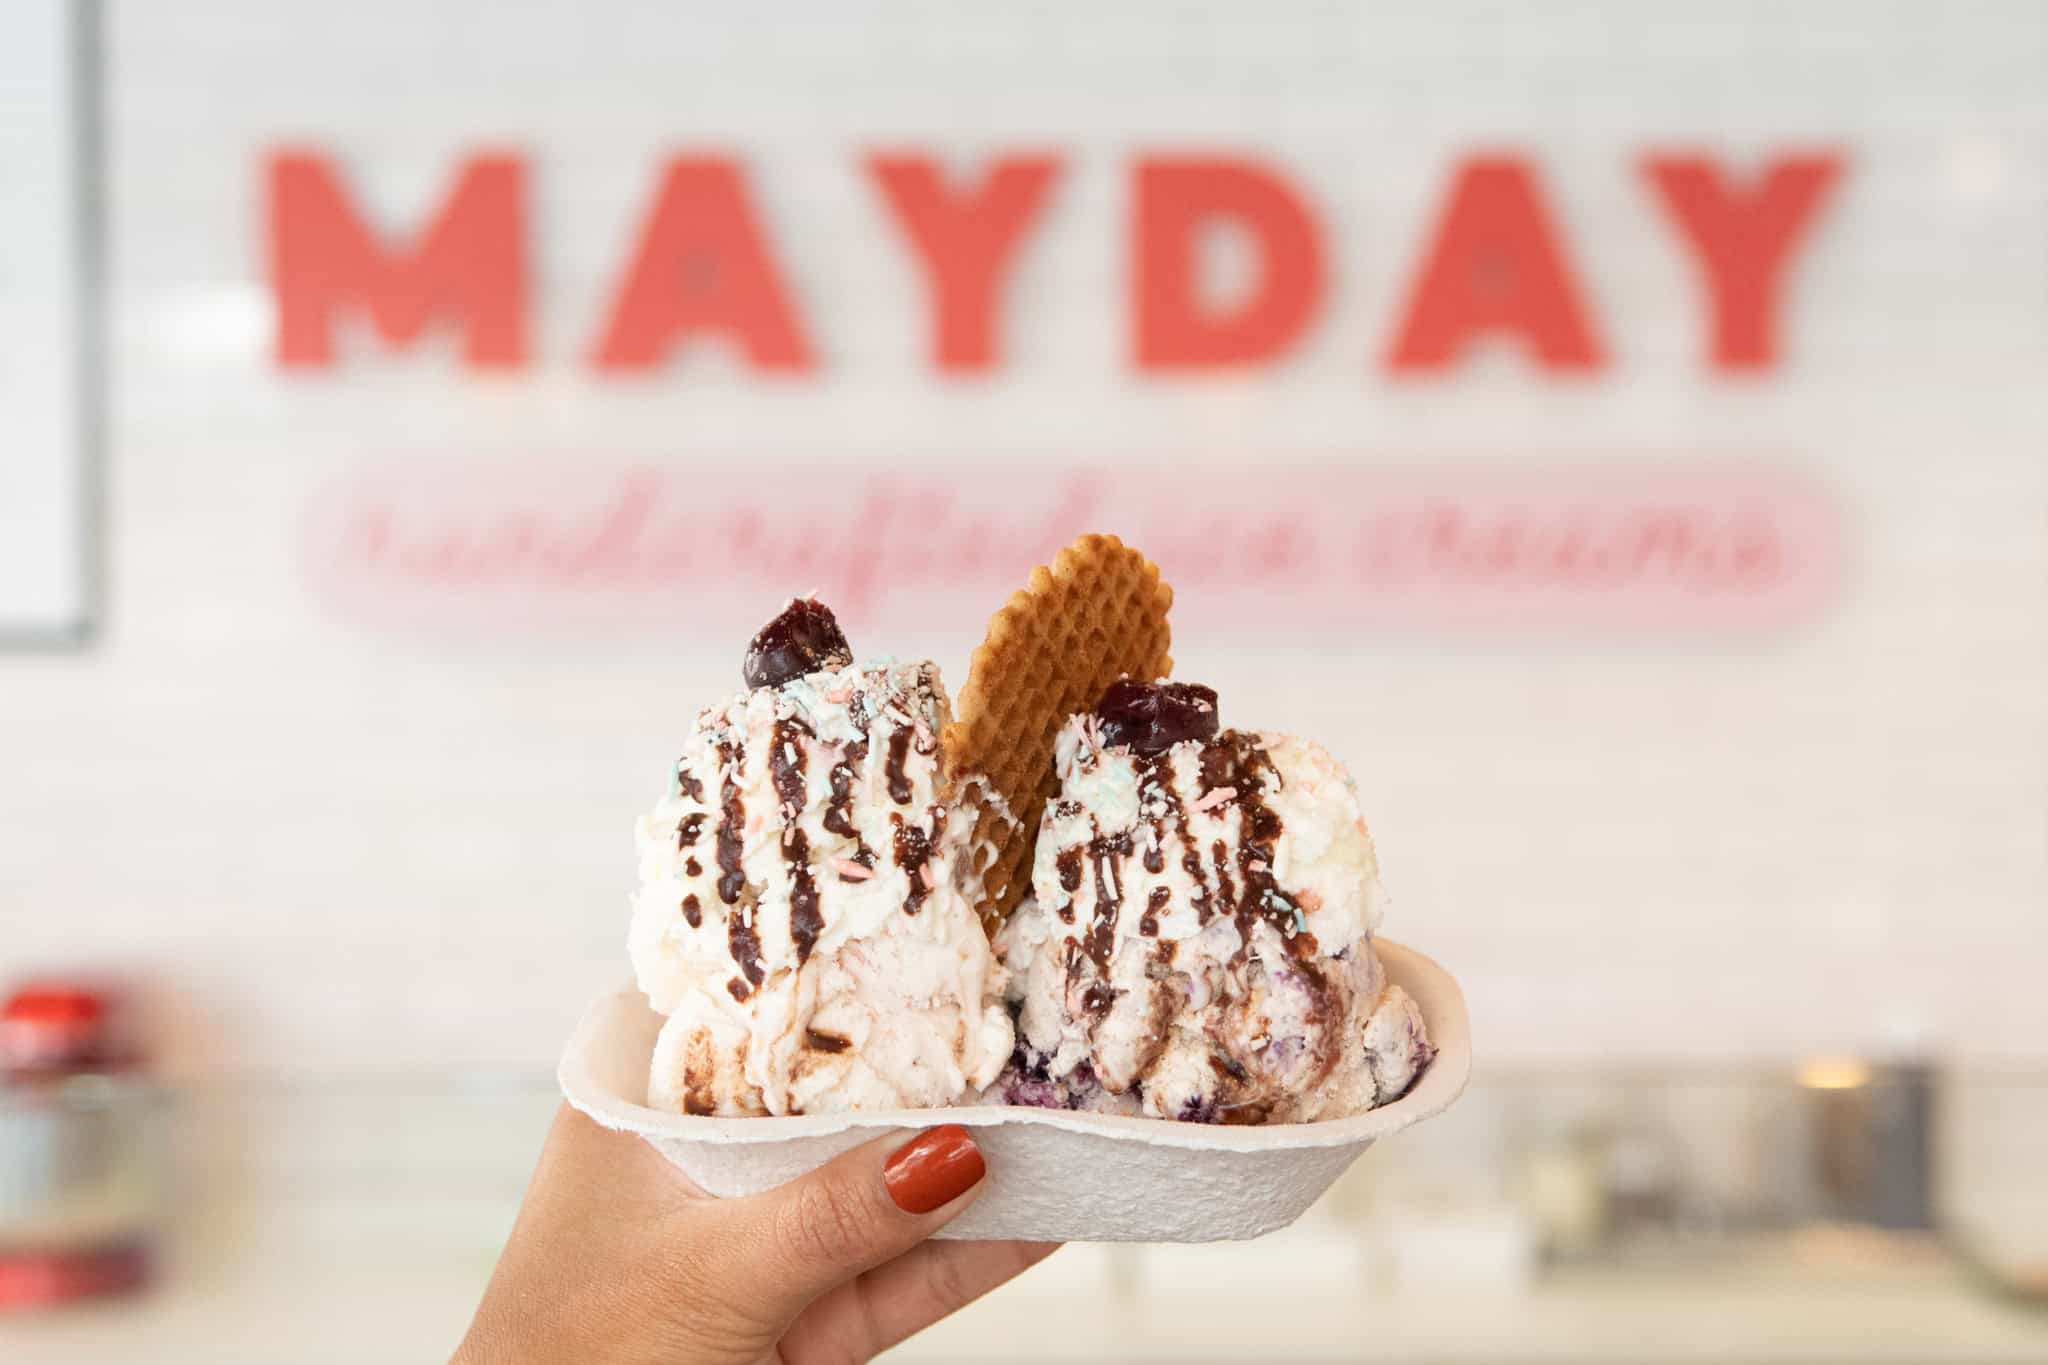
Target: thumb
(860, 1210)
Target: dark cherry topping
(1152, 717)
(805, 638)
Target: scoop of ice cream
(1200, 942)
(807, 910)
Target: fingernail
(933, 1169)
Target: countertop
(1782, 1299)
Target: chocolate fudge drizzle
(825, 1042)
(1241, 885)
(744, 943)
(786, 764)
(746, 948)
(793, 747)
(899, 782)
(839, 806)
(1109, 895)
(732, 819)
(913, 850)
(1157, 794)
(1219, 853)
(1156, 902)
(1069, 864)
(1237, 759)
(698, 1067)
(786, 767)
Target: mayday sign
(1707, 543)
(704, 269)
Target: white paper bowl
(1055, 1176)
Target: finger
(862, 1209)
(934, 1281)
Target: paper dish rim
(1434, 990)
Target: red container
(81, 1149)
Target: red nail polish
(933, 1169)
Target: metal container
(82, 1151)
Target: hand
(618, 1257)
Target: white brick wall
(331, 843)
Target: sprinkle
(1309, 901)
(851, 871)
(931, 878)
(838, 696)
(789, 753)
(1215, 798)
(924, 736)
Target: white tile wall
(332, 844)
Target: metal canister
(82, 1149)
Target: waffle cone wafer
(1096, 614)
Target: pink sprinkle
(850, 870)
(931, 878)
(1215, 798)
(839, 695)
(924, 737)
(1309, 901)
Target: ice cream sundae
(1080, 891)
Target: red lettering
(468, 266)
(1743, 239)
(1495, 266)
(701, 267)
(1176, 200)
(965, 239)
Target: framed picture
(49, 336)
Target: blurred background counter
(358, 1222)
